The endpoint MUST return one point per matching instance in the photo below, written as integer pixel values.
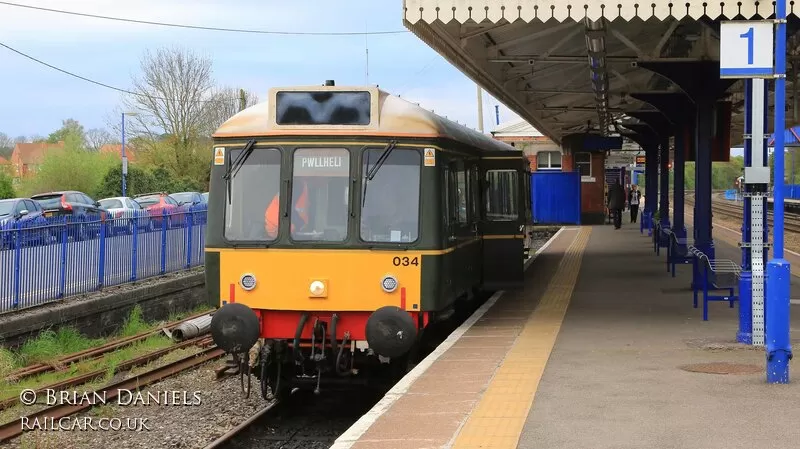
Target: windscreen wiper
(381, 159)
(374, 170)
(234, 167)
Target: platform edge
(360, 427)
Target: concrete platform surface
(592, 354)
(614, 379)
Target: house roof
(4, 161)
(32, 153)
(116, 148)
(516, 128)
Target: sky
(37, 98)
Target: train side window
(252, 213)
(461, 192)
(502, 190)
(475, 193)
(446, 195)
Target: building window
(548, 160)
(583, 162)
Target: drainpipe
(596, 49)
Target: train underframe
(327, 349)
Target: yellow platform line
(498, 419)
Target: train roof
(391, 116)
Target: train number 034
(405, 261)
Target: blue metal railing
(46, 259)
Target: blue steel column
(679, 188)
(124, 183)
(664, 206)
(745, 333)
(765, 158)
(779, 350)
(651, 183)
(702, 217)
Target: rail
(47, 259)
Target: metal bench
(714, 275)
(646, 221)
(660, 237)
(677, 251)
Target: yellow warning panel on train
(219, 156)
(430, 157)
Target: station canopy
(571, 67)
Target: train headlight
(248, 281)
(389, 283)
(317, 288)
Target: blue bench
(677, 251)
(660, 237)
(714, 275)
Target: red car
(156, 204)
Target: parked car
(78, 206)
(157, 204)
(25, 214)
(123, 211)
(205, 197)
(188, 198)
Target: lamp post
(124, 157)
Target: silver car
(123, 209)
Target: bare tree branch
(96, 138)
(5, 141)
(226, 102)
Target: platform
(589, 355)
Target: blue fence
(45, 259)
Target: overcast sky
(36, 98)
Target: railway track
(733, 210)
(14, 428)
(308, 421)
(90, 354)
(97, 374)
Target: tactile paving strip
(498, 419)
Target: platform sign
(640, 161)
(746, 49)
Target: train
(343, 222)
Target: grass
(50, 345)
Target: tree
(71, 169)
(224, 104)
(96, 138)
(6, 186)
(137, 182)
(171, 92)
(71, 133)
(6, 145)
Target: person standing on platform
(634, 198)
(616, 202)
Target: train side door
(503, 225)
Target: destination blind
(322, 162)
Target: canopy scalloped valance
(543, 10)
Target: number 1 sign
(746, 49)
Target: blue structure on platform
(65, 257)
(779, 349)
(556, 197)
